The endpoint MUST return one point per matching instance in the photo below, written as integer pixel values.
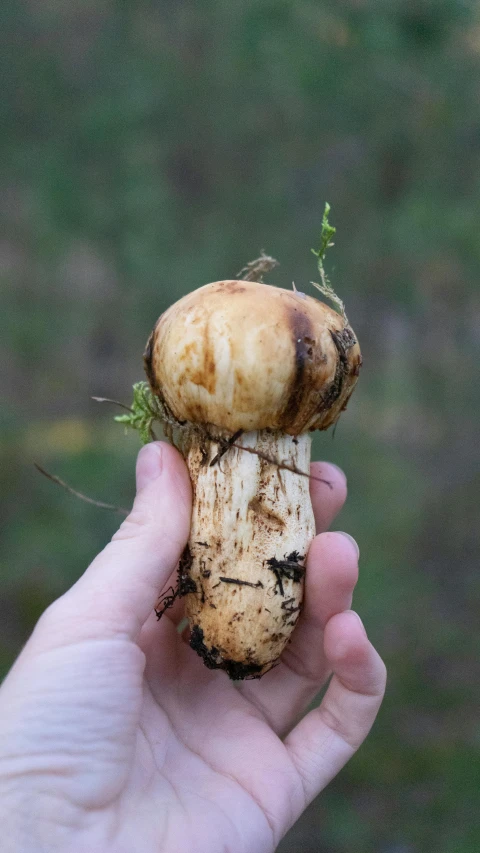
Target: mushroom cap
(247, 355)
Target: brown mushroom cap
(245, 355)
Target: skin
(113, 735)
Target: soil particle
(212, 658)
(289, 569)
(186, 583)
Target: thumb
(119, 589)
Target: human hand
(114, 737)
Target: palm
(205, 748)
(195, 744)
(210, 751)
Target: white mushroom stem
(252, 525)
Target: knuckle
(350, 733)
(302, 667)
(52, 614)
(306, 764)
(56, 615)
(133, 525)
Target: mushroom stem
(252, 525)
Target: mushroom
(249, 370)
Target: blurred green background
(150, 147)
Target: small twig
(115, 402)
(238, 581)
(80, 495)
(255, 270)
(282, 465)
(225, 445)
(166, 600)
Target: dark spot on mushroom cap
(343, 341)
(232, 287)
(148, 361)
(301, 331)
(188, 350)
(357, 365)
(205, 373)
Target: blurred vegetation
(150, 147)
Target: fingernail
(149, 465)
(357, 617)
(352, 540)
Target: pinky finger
(322, 743)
